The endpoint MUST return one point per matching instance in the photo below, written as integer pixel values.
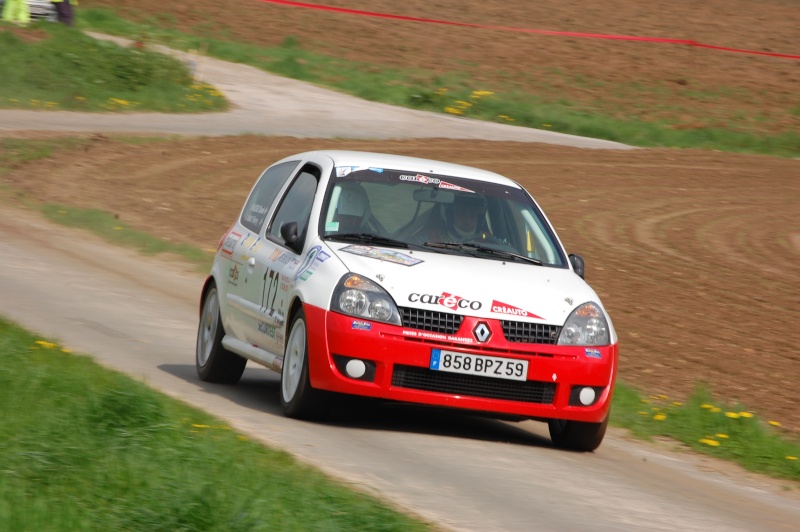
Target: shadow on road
(259, 390)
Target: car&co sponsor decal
(504, 308)
(381, 254)
(426, 180)
(451, 301)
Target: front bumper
(398, 360)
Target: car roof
(412, 164)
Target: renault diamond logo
(482, 332)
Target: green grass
(16, 152)
(85, 448)
(422, 89)
(108, 227)
(730, 432)
(60, 68)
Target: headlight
(356, 295)
(587, 325)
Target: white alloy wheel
(293, 361)
(209, 322)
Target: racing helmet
(470, 206)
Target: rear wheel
(577, 435)
(214, 363)
(298, 398)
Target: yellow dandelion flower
(791, 458)
(65, 350)
(677, 403)
(462, 103)
(722, 436)
(642, 412)
(46, 344)
(242, 438)
(660, 417)
(645, 400)
(775, 423)
(453, 110)
(715, 409)
(707, 406)
(663, 397)
(709, 441)
(655, 397)
(441, 91)
(732, 415)
(547, 125)
(745, 414)
(199, 426)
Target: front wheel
(213, 362)
(298, 398)
(577, 435)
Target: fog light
(356, 369)
(587, 396)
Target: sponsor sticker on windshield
(427, 180)
(382, 254)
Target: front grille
(531, 333)
(417, 378)
(430, 320)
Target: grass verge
(451, 93)
(53, 67)
(85, 448)
(109, 228)
(731, 432)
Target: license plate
(467, 364)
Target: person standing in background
(64, 11)
(16, 11)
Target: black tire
(577, 435)
(214, 363)
(298, 399)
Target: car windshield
(396, 208)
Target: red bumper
(555, 373)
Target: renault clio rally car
(411, 280)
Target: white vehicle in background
(410, 280)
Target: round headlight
(380, 309)
(353, 301)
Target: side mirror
(289, 235)
(577, 264)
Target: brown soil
(695, 254)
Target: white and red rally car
(411, 280)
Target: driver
(465, 218)
(461, 221)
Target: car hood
(462, 284)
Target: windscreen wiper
(368, 238)
(482, 249)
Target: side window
(263, 195)
(296, 204)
